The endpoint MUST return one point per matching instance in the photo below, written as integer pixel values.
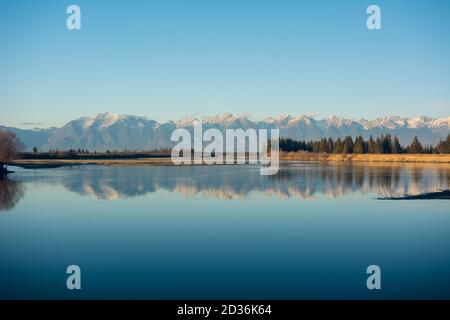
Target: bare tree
(10, 145)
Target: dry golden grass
(413, 158)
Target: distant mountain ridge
(117, 132)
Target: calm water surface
(224, 232)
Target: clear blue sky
(167, 59)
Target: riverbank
(297, 156)
(55, 163)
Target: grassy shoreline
(284, 156)
(397, 158)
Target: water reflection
(298, 180)
(10, 194)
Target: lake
(225, 232)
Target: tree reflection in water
(10, 193)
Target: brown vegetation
(415, 158)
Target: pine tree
(371, 146)
(359, 145)
(396, 147)
(415, 146)
(387, 144)
(444, 146)
(338, 146)
(331, 145)
(347, 146)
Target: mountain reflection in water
(294, 180)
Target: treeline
(95, 152)
(84, 154)
(385, 144)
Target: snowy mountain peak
(337, 121)
(419, 122)
(390, 122)
(442, 122)
(301, 120)
(102, 120)
(107, 115)
(186, 122)
(220, 119)
(282, 118)
(107, 119)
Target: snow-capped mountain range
(117, 132)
